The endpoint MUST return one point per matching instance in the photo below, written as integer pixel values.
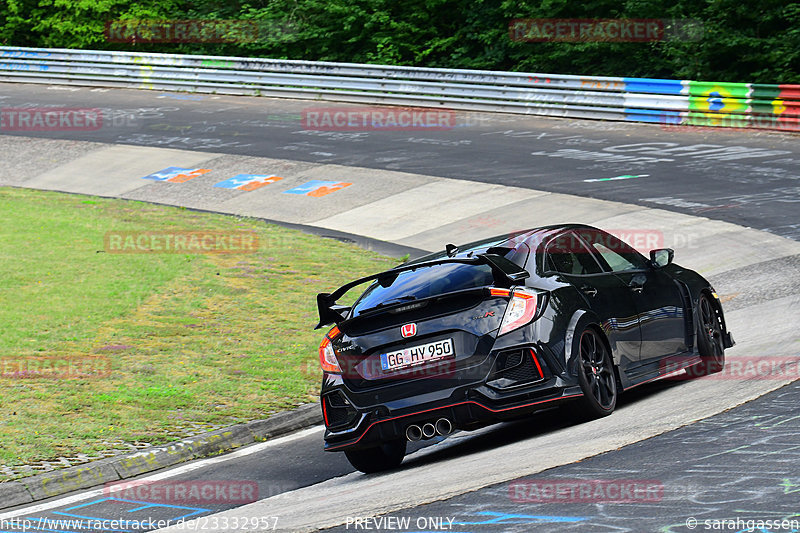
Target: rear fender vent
(338, 411)
(517, 367)
(508, 360)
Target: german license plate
(416, 355)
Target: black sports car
(504, 327)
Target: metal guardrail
(671, 102)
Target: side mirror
(661, 257)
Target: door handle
(591, 291)
(635, 287)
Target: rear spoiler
(506, 273)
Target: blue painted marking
(23, 53)
(187, 515)
(198, 510)
(240, 180)
(151, 504)
(236, 181)
(142, 508)
(167, 173)
(311, 186)
(82, 517)
(144, 505)
(652, 86)
(715, 102)
(17, 66)
(101, 500)
(507, 518)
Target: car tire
(382, 457)
(709, 339)
(596, 376)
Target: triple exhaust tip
(413, 433)
(444, 426)
(428, 430)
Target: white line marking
(623, 177)
(202, 463)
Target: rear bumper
(467, 407)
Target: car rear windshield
(423, 283)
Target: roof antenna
(451, 249)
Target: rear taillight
(520, 311)
(327, 357)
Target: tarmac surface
(705, 193)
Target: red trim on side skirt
(446, 407)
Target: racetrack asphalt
(744, 177)
(492, 174)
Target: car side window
(615, 252)
(568, 255)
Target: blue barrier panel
(653, 86)
(655, 116)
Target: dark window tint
(567, 254)
(425, 282)
(618, 255)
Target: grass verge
(192, 339)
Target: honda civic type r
(502, 328)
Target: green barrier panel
(762, 91)
(718, 97)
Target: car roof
(509, 241)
